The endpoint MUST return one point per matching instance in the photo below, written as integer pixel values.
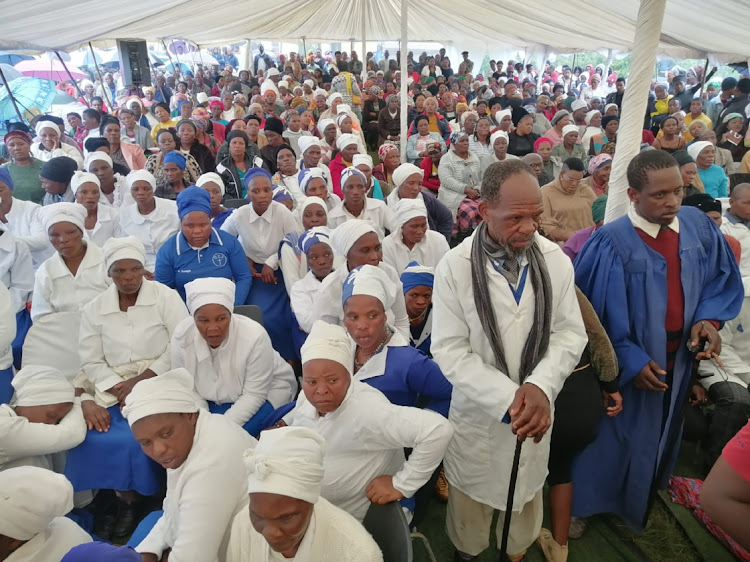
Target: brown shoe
(442, 486)
(553, 552)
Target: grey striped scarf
(538, 339)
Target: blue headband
(5, 178)
(281, 194)
(312, 237)
(416, 275)
(176, 158)
(191, 199)
(253, 173)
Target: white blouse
(16, 269)
(24, 222)
(428, 252)
(302, 299)
(107, 225)
(153, 229)
(41, 153)
(375, 212)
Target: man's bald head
(535, 162)
(739, 201)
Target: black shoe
(104, 509)
(462, 557)
(104, 526)
(127, 521)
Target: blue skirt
(113, 461)
(144, 528)
(277, 313)
(23, 323)
(6, 388)
(255, 424)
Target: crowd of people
(413, 326)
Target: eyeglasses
(566, 177)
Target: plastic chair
(235, 203)
(387, 525)
(251, 311)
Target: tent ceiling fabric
(690, 29)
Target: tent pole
(703, 79)
(78, 88)
(363, 54)
(404, 94)
(610, 55)
(10, 95)
(170, 56)
(110, 103)
(304, 49)
(177, 57)
(248, 56)
(645, 47)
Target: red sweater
(429, 181)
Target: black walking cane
(511, 493)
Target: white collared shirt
(24, 222)
(107, 225)
(16, 269)
(650, 228)
(153, 229)
(428, 252)
(375, 212)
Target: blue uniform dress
(626, 282)
(177, 263)
(219, 219)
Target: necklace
(420, 317)
(381, 345)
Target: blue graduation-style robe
(177, 263)
(626, 282)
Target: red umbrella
(48, 69)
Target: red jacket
(430, 182)
(336, 166)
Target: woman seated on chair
(124, 338)
(315, 245)
(287, 518)
(235, 367)
(199, 250)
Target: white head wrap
(272, 72)
(313, 236)
(347, 173)
(610, 105)
(140, 175)
(312, 201)
(502, 113)
(306, 142)
(590, 116)
(340, 116)
(320, 92)
(310, 83)
(128, 248)
(309, 174)
(567, 129)
(404, 171)
(269, 85)
(94, 156)
(30, 499)
(202, 97)
(346, 235)
(407, 209)
(362, 159)
(498, 135)
(47, 125)
(345, 140)
(37, 385)
(283, 84)
(371, 281)
(63, 212)
(288, 462)
(578, 104)
(327, 341)
(212, 177)
(323, 124)
(344, 108)
(170, 393)
(332, 97)
(697, 147)
(79, 178)
(209, 290)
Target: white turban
(94, 156)
(498, 135)
(345, 140)
(320, 92)
(332, 97)
(360, 159)
(269, 85)
(327, 341)
(287, 461)
(610, 105)
(567, 129)
(312, 201)
(283, 84)
(407, 209)
(63, 212)
(209, 290)
(578, 104)
(306, 142)
(209, 177)
(309, 174)
(590, 116)
(37, 385)
(47, 125)
(346, 235)
(30, 499)
(371, 281)
(272, 72)
(697, 147)
(170, 393)
(140, 175)
(128, 248)
(323, 124)
(79, 178)
(404, 171)
(310, 83)
(502, 113)
(344, 108)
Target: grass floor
(672, 534)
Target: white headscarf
(312, 200)
(407, 209)
(30, 499)
(327, 341)
(371, 281)
(346, 235)
(402, 173)
(128, 248)
(590, 116)
(287, 461)
(307, 175)
(320, 92)
(37, 385)
(360, 159)
(502, 113)
(697, 147)
(498, 135)
(306, 142)
(345, 140)
(47, 125)
(79, 178)
(332, 97)
(323, 124)
(169, 393)
(344, 108)
(567, 129)
(578, 104)
(209, 177)
(209, 290)
(94, 156)
(140, 175)
(63, 212)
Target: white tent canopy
(691, 28)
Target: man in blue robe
(661, 279)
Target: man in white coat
(736, 222)
(287, 517)
(507, 331)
